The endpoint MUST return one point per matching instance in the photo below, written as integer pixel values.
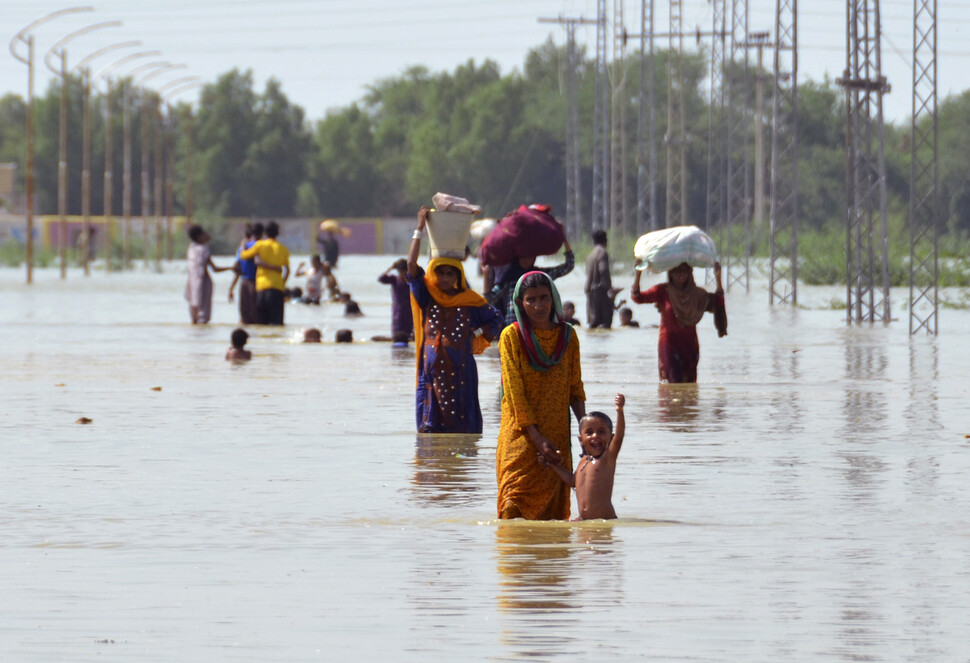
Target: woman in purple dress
(452, 324)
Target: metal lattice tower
(646, 126)
(715, 141)
(923, 182)
(573, 200)
(618, 206)
(867, 238)
(574, 209)
(601, 127)
(676, 131)
(783, 287)
(735, 238)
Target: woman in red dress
(682, 304)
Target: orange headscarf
(464, 297)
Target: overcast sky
(325, 52)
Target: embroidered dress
(446, 394)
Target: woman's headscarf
(689, 301)
(464, 297)
(538, 359)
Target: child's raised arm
(299, 269)
(620, 427)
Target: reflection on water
(443, 468)
(677, 405)
(806, 500)
(534, 564)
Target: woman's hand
(423, 216)
(544, 446)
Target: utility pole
(783, 272)
(735, 243)
(924, 215)
(144, 121)
(715, 211)
(601, 127)
(618, 207)
(108, 192)
(87, 232)
(126, 173)
(646, 125)
(158, 177)
(759, 41)
(573, 198)
(676, 131)
(867, 235)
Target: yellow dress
(526, 489)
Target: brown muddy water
(806, 501)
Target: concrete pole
(86, 172)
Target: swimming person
(593, 479)
(452, 323)
(237, 351)
(541, 382)
(681, 303)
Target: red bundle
(527, 232)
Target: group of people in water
(542, 385)
(541, 377)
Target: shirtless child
(593, 479)
(237, 351)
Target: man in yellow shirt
(272, 270)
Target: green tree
(346, 171)
(224, 130)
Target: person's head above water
(536, 299)
(311, 335)
(239, 337)
(595, 433)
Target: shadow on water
(443, 471)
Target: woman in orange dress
(541, 382)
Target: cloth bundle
(444, 202)
(527, 232)
(662, 250)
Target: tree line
(495, 138)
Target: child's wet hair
(239, 337)
(595, 414)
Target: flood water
(806, 501)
